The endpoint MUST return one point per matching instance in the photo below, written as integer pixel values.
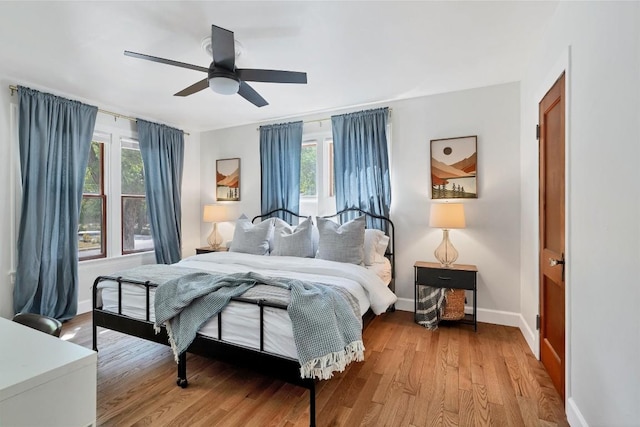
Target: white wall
(603, 239)
(491, 240)
(6, 285)
(88, 270)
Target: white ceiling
(354, 53)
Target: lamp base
(446, 253)
(213, 241)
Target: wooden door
(552, 233)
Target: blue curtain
(361, 164)
(162, 150)
(280, 148)
(55, 138)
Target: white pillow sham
(293, 241)
(252, 239)
(375, 246)
(342, 243)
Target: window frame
(110, 137)
(323, 203)
(101, 195)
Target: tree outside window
(308, 169)
(136, 231)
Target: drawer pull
(444, 278)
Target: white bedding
(240, 322)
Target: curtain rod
(14, 89)
(320, 120)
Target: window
(136, 231)
(308, 167)
(316, 175)
(113, 214)
(92, 221)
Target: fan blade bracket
(271, 76)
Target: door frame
(563, 64)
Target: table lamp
(213, 214)
(446, 216)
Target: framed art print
(454, 164)
(228, 180)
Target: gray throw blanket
(430, 306)
(327, 328)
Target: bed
(254, 330)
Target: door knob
(553, 262)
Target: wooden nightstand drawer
(445, 278)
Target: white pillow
(381, 249)
(252, 239)
(343, 243)
(293, 241)
(375, 246)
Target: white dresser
(45, 381)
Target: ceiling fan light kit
(223, 82)
(223, 76)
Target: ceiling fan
(222, 75)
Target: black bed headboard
(274, 212)
(390, 254)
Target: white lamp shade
(447, 215)
(213, 213)
(224, 85)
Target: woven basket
(454, 305)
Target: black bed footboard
(274, 365)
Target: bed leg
(95, 335)
(182, 370)
(312, 405)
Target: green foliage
(93, 173)
(308, 162)
(90, 214)
(91, 207)
(132, 172)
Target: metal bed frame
(282, 367)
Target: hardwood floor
(410, 377)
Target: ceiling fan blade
(223, 48)
(196, 87)
(271, 76)
(165, 61)
(248, 93)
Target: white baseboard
(530, 336)
(574, 416)
(405, 304)
(497, 317)
(84, 306)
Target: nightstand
(458, 276)
(207, 249)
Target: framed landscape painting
(454, 168)
(228, 180)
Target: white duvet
(362, 283)
(240, 322)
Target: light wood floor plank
(411, 377)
